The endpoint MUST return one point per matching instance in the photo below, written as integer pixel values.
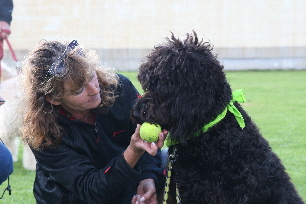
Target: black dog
(220, 155)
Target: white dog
(11, 116)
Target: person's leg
(6, 164)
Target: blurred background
(246, 34)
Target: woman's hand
(151, 147)
(138, 146)
(5, 30)
(146, 193)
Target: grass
(277, 104)
(276, 101)
(21, 181)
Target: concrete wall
(246, 34)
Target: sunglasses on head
(58, 68)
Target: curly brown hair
(40, 128)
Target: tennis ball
(149, 132)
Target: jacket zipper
(103, 139)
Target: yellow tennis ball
(149, 132)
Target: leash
(9, 46)
(171, 159)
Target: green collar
(238, 96)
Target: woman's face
(86, 98)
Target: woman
(77, 123)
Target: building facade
(246, 34)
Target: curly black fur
(181, 90)
(186, 88)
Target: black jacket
(88, 165)
(6, 9)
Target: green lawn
(276, 100)
(21, 182)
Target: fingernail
(136, 202)
(142, 199)
(153, 143)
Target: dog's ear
(192, 109)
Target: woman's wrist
(132, 155)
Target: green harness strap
(238, 96)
